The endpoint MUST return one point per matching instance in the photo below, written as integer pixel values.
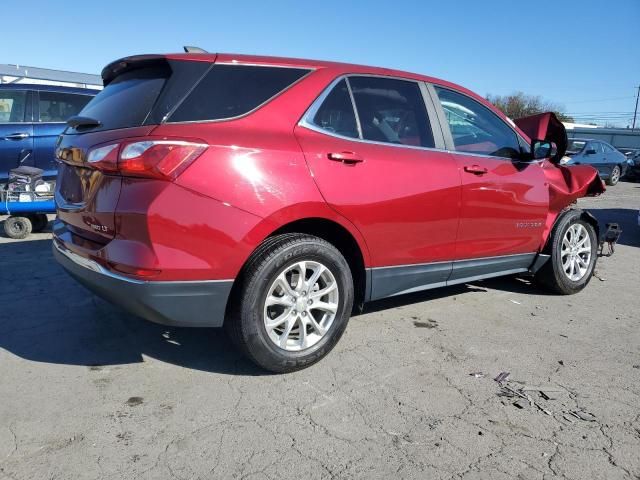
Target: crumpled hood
(545, 126)
(568, 183)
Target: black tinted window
(58, 107)
(475, 128)
(391, 111)
(127, 100)
(13, 104)
(228, 91)
(336, 113)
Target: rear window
(144, 95)
(228, 91)
(128, 99)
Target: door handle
(17, 136)
(348, 158)
(475, 169)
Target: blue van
(31, 118)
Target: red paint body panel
(566, 184)
(205, 241)
(404, 201)
(503, 210)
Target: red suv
(273, 195)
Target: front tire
(293, 302)
(614, 178)
(573, 246)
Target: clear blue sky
(583, 54)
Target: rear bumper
(181, 304)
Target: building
(617, 137)
(21, 74)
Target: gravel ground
(87, 391)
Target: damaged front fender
(566, 184)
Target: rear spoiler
(545, 126)
(125, 64)
(122, 65)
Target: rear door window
(475, 128)
(58, 107)
(229, 91)
(13, 105)
(336, 114)
(391, 111)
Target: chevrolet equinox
(272, 196)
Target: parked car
(611, 164)
(271, 195)
(633, 162)
(31, 118)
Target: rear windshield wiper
(83, 122)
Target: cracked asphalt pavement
(90, 392)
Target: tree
(519, 104)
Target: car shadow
(47, 317)
(627, 218)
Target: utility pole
(635, 113)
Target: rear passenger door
(372, 148)
(504, 199)
(52, 110)
(16, 131)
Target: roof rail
(189, 49)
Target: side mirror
(591, 151)
(542, 149)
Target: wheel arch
(584, 215)
(335, 230)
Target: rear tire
(614, 178)
(283, 320)
(39, 222)
(573, 246)
(17, 227)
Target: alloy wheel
(575, 252)
(301, 305)
(615, 175)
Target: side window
(608, 148)
(391, 111)
(229, 91)
(595, 146)
(475, 128)
(13, 104)
(58, 107)
(336, 114)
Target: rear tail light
(164, 159)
